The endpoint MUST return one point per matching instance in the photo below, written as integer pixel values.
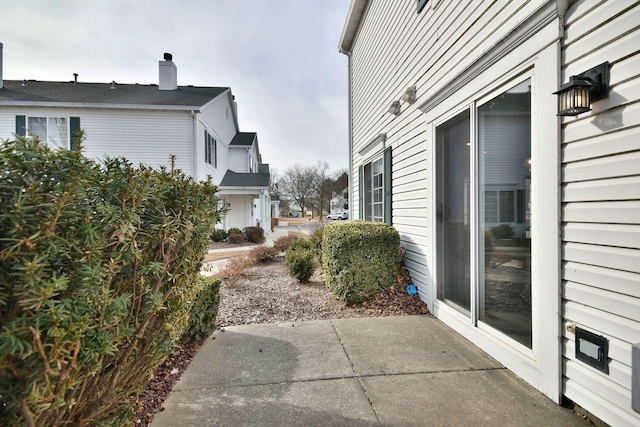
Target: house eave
(230, 190)
(101, 106)
(351, 25)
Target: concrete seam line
(357, 376)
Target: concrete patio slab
(267, 354)
(408, 344)
(392, 371)
(310, 403)
(493, 397)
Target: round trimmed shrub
(234, 230)
(254, 234)
(235, 238)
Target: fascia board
(100, 106)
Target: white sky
(280, 58)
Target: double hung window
(375, 187)
(210, 149)
(53, 131)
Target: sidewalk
(390, 371)
(211, 267)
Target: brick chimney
(168, 74)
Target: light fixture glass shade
(574, 98)
(395, 108)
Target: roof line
(101, 105)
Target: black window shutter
(21, 125)
(215, 153)
(387, 186)
(361, 180)
(206, 146)
(74, 127)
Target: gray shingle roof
(14, 93)
(243, 139)
(235, 179)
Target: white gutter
(96, 106)
(562, 7)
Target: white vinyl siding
(239, 211)
(218, 119)
(455, 53)
(148, 137)
(601, 208)
(396, 48)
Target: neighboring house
(338, 202)
(522, 228)
(275, 205)
(147, 124)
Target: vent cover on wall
(592, 349)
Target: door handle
(439, 214)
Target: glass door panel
(453, 212)
(504, 176)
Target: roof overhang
(99, 106)
(351, 25)
(231, 190)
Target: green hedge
(203, 310)
(98, 264)
(359, 258)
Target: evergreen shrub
(203, 310)
(359, 258)
(218, 235)
(503, 231)
(98, 264)
(234, 230)
(301, 263)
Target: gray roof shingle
(14, 93)
(243, 139)
(235, 179)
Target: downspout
(562, 6)
(350, 124)
(194, 145)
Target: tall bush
(359, 258)
(98, 264)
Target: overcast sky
(280, 58)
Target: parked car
(338, 216)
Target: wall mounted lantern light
(583, 89)
(409, 95)
(394, 108)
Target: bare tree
(297, 184)
(323, 186)
(274, 181)
(312, 186)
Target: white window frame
(210, 149)
(61, 143)
(370, 214)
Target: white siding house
(522, 228)
(145, 124)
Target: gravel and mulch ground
(267, 294)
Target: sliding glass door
(483, 210)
